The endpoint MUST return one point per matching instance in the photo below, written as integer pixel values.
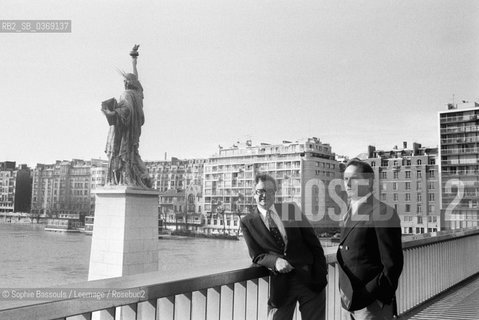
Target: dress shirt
(355, 203)
(277, 220)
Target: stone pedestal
(125, 232)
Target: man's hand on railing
(283, 266)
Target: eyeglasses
(264, 191)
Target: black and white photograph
(239, 160)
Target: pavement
(459, 303)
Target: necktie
(347, 216)
(274, 231)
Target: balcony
(446, 174)
(460, 151)
(433, 265)
(459, 118)
(460, 140)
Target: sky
(351, 73)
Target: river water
(31, 257)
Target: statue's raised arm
(134, 57)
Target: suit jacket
(370, 256)
(303, 251)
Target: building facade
(175, 173)
(408, 180)
(180, 185)
(302, 169)
(62, 189)
(15, 187)
(459, 154)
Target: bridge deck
(460, 302)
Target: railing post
(146, 310)
(213, 301)
(106, 314)
(166, 308)
(183, 306)
(128, 312)
(198, 307)
(263, 294)
(239, 301)
(252, 299)
(227, 299)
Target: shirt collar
(264, 211)
(357, 202)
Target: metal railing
(432, 265)
(459, 118)
(460, 150)
(460, 140)
(460, 129)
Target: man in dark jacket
(370, 252)
(281, 239)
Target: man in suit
(281, 239)
(370, 252)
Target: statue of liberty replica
(126, 117)
(125, 231)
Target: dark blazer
(370, 256)
(303, 251)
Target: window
(395, 185)
(383, 197)
(395, 174)
(419, 174)
(419, 209)
(383, 186)
(431, 197)
(408, 185)
(432, 161)
(408, 208)
(419, 197)
(419, 220)
(408, 174)
(431, 208)
(383, 175)
(430, 185)
(395, 196)
(408, 197)
(419, 185)
(408, 162)
(373, 164)
(419, 162)
(432, 173)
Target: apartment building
(180, 185)
(459, 154)
(303, 170)
(175, 173)
(62, 188)
(15, 187)
(408, 180)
